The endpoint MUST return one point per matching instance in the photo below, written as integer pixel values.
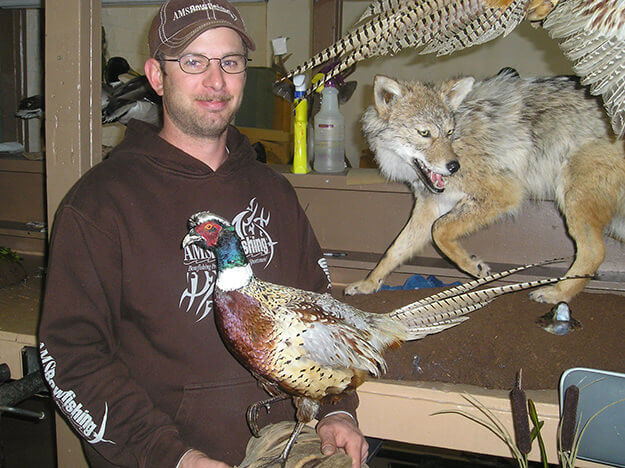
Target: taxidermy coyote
(474, 151)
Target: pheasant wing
(464, 23)
(592, 35)
(335, 334)
(442, 26)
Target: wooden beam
(73, 88)
(327, 21)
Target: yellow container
(300, 124)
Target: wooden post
(72, 93)
(327, 20)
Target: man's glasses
(197, 63)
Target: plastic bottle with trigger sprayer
(329, 130)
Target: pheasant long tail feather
(417, 330)
(444, 310)
(378, 6)
(367, 33)
(456, 290)
(418, 28)
(355, 56)
(441, 25)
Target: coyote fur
(474, 151)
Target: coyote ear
(385, 89)
(454, 92)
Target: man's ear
(154, 74)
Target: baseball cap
(179, 22)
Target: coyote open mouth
(432, 180)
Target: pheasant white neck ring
(234, 277)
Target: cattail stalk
(569, 418)
(520, 417)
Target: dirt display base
(488, 349)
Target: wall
(527, 49)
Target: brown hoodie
(128, 342)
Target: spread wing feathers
(592, 34)
(478, 25)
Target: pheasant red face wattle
(209, 232)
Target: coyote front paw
(365, 286)
(477, 267)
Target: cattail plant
(569, 418)
(523, 444)
(569, 432)
(520, 417)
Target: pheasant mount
(309, 346)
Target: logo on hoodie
(66, 401)
(251, 225)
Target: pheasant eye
(209, 227)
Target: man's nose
(213, 77)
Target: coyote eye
(424, 133)
(450, 132)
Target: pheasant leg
(289, 445)
(252, 411)
(282, 458)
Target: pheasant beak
(193, 238)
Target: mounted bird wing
(330, 332)
(592, 34)
(388, 26)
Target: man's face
(203, 105)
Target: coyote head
(410, 128)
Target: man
(128, 343)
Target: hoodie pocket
(211, 417)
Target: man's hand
(197, 459)
(339, 431)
